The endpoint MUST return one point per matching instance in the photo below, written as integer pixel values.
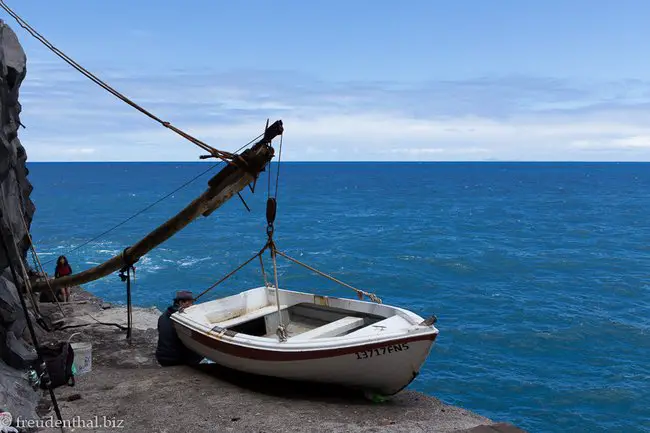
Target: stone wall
(15, 394)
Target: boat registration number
(382, 351)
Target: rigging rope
(135, 214)
(277, 177)
(28, 286)
(31, 241)
(271, 212)
(372, 296)
(270, 245)
(282, 330)
(40, 266)
(149, 206)
(268, 192)
(233, 272)
(224, 156)
(266, 281)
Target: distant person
(63, 269)
(170, 350)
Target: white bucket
(83, 357)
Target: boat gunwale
(268, 343)
(414, 318)
(247, 341)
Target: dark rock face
(15, 394)
(14, 186)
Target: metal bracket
(430, 321)
(282, 333)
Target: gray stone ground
(180, 399)
(127, 384)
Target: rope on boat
(224, 156)
(259, 254)
(271, 212)
(266, 281)
(282, 330)
(271, 246)
(372, 296)
(277, 176)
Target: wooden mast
(228, 182)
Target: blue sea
(539, 273)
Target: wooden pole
(228, 182)
(129, 310)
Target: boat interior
(305, 316)
(306, 321)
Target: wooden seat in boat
(332, 329)
(390, 324)
(224, 321)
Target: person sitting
(171, 350)
(63, 269)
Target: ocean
(538, 272)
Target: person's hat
(184, 295)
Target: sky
(362, 80)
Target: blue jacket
(170, 350)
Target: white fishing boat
(366, 345)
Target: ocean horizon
(495, 161)
(537, 270)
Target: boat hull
(384, 367)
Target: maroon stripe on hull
(277, 355)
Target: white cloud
(507, 119)
(632, 143)
(418, 151)
(77, 150)
(375, 137)
(636, 142)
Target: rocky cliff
(15, 394)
